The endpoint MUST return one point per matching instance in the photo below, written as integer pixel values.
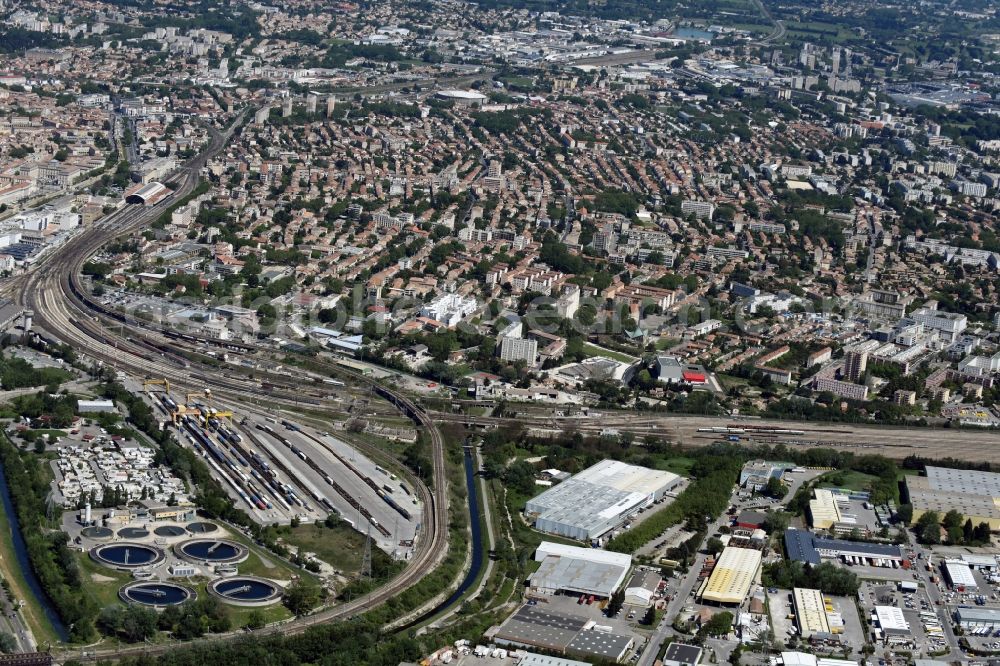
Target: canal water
(21, 553)
(477, 543)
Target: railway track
(53, 291)
(892, 441)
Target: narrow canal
(477, 543)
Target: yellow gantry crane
(184, 410)
(210, 412)
(207, 394)
(156, 382)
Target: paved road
(682, 595)
(934, 595)
(14, 625)
(779, 26)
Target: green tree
(952, 519)
(928, 527)
(775, 488)
(720, 624)
(615, 603)
(255, 620)
(776, 521)
(301, 597)
(714, 546)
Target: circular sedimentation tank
(169, 531)
(95, 532)
(202, 528)
(133, 533)
(127, 555)
(214, 551)
(246, 591)
(156, 594)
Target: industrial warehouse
(811, 613)
(599, 499)
(735, 572)
(803, 546)
(584, 571)
(972, 493)
(563, 634)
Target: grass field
(817, 30)
(102, 583)
(593, 350)
(266, 564)
(341, 546)
(849, 479)
(680, 465)
(667, 343)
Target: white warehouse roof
(959, 573)
(462, 94)
(806, 659)
(547, 548)
(598, 499)
(892, 620)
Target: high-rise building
(331, 105)
(855, 364)
(311, 103)
(605, 239)
(519, 349)
(286, 107)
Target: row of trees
(341, 644)
(708, 495)
(957, 529)
(59, 410)
(53, 562)
(827, 577)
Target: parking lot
(625, 622)
(925, 634)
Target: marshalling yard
(278, 470)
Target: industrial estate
(507, 332)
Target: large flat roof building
(803, 546)
(531, 627)
(564, 634)
(810, 612)
(959, 575)
(970, 617)
(535, 659)
(598, 499)
(578, 570)
(735, 572)
(974, 494)
(891, 621)
(806, 659)
(824, 512)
